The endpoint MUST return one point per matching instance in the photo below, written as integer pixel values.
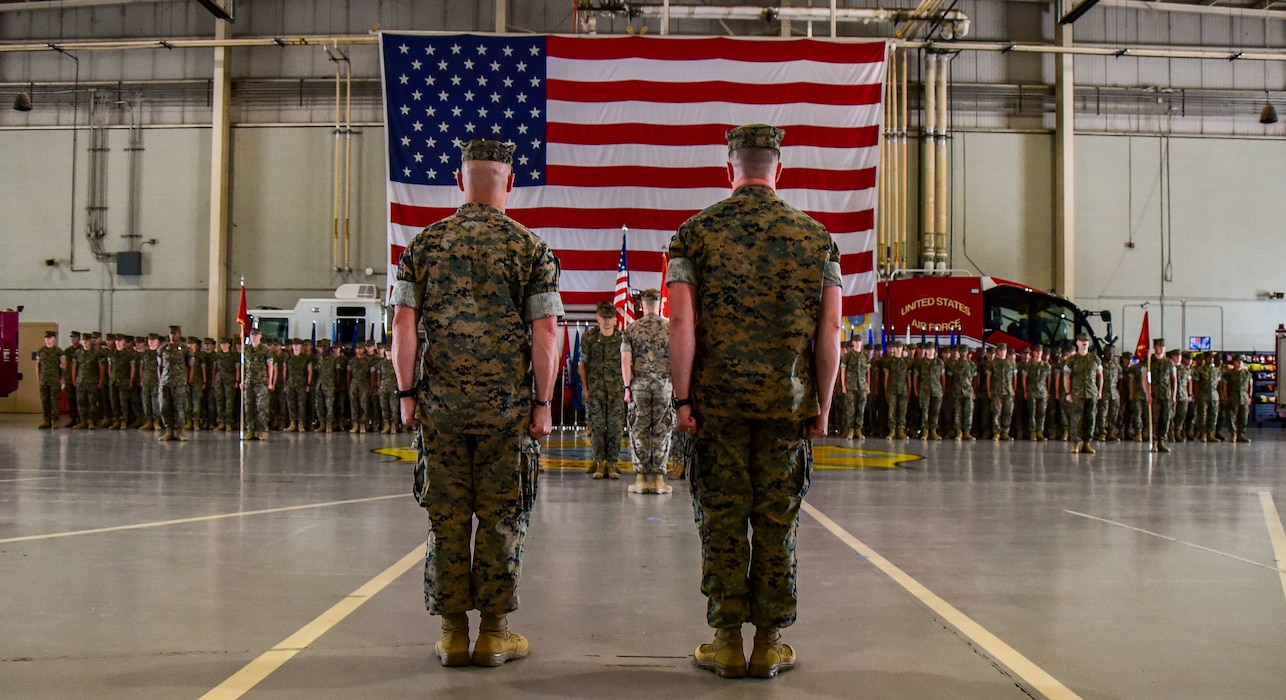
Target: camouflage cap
(1126, 355)
(51, 334)
(208, 340)
(176, 329)
(1235, 358)
(323, 343)
(225, 341)
(605, 309)
(1001, 346)
(127, 338)
(651, 295)
(193, 339)
(754, 136)
(75, 334)
(479, 149)
(1158, 341)
(1037, 348)
(1174, 353)
(895, 344)
(256, 331)
(153, 336)
(1083, 336)
(96, 334)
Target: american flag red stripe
(630, 133)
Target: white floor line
(1275, 532)
(1177, 541)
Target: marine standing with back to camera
(484, 289)
(754, 288)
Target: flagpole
(245, 333)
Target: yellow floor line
(253, 673)
(1275, 533)
(204, 518)
(1001, 652)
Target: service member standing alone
(600, 374)
(479, 412)
(49, 361)
(645, 368)
(754, 294)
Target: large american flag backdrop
(629, 131)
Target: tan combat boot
(167, 436)
(1161, 446)
(641, 484)
(146, 425)
(293, 427)
(1087, 448)
(1076, 447)
(453, 648)
(600, 469)
(770, 655)
(355, 428)
(45, 424)
(1241, 437)
(496, 644)
(613, 469)
(659, 486)
(82, 425)
(724, 656)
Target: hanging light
(1268, 115)
(22, 103)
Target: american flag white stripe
(628, 131)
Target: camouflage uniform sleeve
(543, 299)
(680, 268)
(625, 341)
(408, 288)
(830, 274)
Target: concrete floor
(1122, 575)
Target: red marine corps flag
(1141, 349)
(243, 318)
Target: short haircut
(755, 161)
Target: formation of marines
(174, 384)
(1070, 393)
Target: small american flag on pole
(622, 301)
(629, 130)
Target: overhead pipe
(348, 156)
(334, 170)
(955, 22)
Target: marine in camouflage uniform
(484, 290)
(1138, 426)
(1083, 377)
(1208, 381)
(1238, 384)
(645, 364)
(299, 380)
(1108, 421)
(69, 378)
(1002, 378)
(88, 368)
(196, 385)
(149, 370)
(324, 390)
(49, 367)
(755, 345)
(387, 392)
(359, 389)
(227, 365)
(897, 387)
(124, 366)
(600, 371)
(259, 377)
(342, 410)
(1035, 379)
(1165, 387)
(856, 371)
(1182, 397)
(929, 377)
(177, 365)
(963, 374)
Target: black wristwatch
(542, 403)
(405, 393)
(680, 403)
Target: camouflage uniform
(69, 377)
(931, 373)
(298, 388)
(1081, 374)
(359, 390)
(225, 387)
(857, 365)
(961, 373)
(149, 363)
(324, 364)
(196, 387)
(1207, 410)
(387, 394)
(1002, 375)
(1107, 422)
(1238, 384)
(254, 386)
(342, 409)
(124, 364)
(897, 387)
(758, 268)
(1163, 390)
(1182, 401)
(1036, 378)
(604, 394)
(478, 280)
(176, 364)
(51, 377)
(88, 397)
(1138, 379)
(651, 414)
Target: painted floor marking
(1179, 541)
(204, 518)
(27, 478)
(1275, 533)
(252, 674)
(1001, 652)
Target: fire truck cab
(983, 311)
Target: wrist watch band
(680, 403)
(542, 403)
(405, 393)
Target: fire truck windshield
(1031, 316)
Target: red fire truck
(9, 374)
(983, 310)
